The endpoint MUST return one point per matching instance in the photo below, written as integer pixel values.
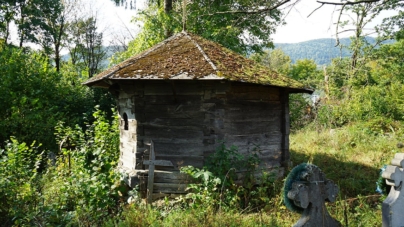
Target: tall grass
(351, 156)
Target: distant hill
(320, 50)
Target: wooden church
(182, 98)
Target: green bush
(19, 188)
(218, 184)
(81, 188)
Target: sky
(298, 26)
(302, 27)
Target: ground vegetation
(58, 154)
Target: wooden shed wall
(187, 120)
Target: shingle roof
(187, 56)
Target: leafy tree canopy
(275, 59)
(244, 26)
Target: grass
(350, 156)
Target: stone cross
(310, 191)
(393, 206)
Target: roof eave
(301, 90)
(102, 83)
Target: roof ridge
(202, 52)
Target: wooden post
(152, 162)
(326, 85)
(150, 180)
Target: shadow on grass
(352, 178)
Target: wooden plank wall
(253, 122)
(128, 137)
(171, 117)
(187, 120)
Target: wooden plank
(253, 95)
(158, 162)
(174, 177)
(239, 113)
(173, 88)
(142, 116)
(173, 122)
(171, 99)
(188, 88)
(285, 128)
(183, 132)
(257, 128)
(181, 160)
(254, 139)
(253, 102)
(127, 163)
(251, 106)
(169, 188)
(150, 180)
(168, 111)
(180, 147)
(254, 118)
(243, 87)
(158, 89)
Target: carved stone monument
(306, 190)
(393, 206)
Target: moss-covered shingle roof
(187, 56)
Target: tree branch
(347, 3)
(339, 19)
(251, 12)
(315, 10)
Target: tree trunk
(168, 7)
(57, 57)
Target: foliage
(276, 60)
(205, 192)
(80, 187)
(373, 91)
(19, 165)
(91, 181)
(34, 97)
(225, 162)
(306, 71)
(87, 45)
(242, 32)
(349, 156)
(28, 16)
(228, 181)
(154, 22)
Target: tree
(86, 45)
(240, 25)
(6, 17)
(305, 71)
(34, 97)
(276, 60)
(53, 36)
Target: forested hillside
(322, 51)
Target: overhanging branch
(251, 11)
(347, 3)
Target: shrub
(19, 189)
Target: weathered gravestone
(393, 206)
(306, 190)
